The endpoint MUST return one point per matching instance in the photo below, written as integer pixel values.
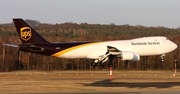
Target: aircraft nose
(173, 46)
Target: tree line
(12, 59)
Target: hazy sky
(133, 12)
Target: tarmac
(83, 82)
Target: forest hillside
(12, 59)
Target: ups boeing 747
(99, 51)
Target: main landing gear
(111, 61)
(110, 65)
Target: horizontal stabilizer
(11, 45)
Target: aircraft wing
(110, 51)
(11, 45)
(113, 51)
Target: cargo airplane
(99, 51)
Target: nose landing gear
(162, 58)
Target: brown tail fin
(27, 34)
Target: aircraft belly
(84, 52)
(74, 54)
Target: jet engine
(126, 55)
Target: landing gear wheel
(95, 64)
(111, 65)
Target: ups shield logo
(25, 33)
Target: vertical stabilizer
(27, 34)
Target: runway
(105, 93)
(89, 82)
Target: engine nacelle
(126, 55)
